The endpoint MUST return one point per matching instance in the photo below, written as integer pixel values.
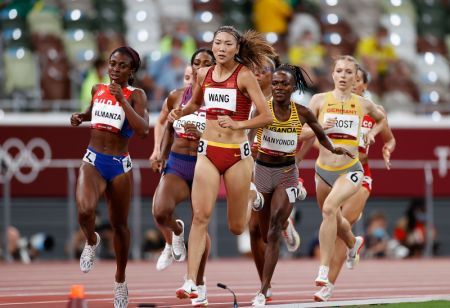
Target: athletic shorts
(109, 166)
(367, 180)
(223, 155)
(268, 177)
(329, 175)
(181, 165)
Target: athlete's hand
(329, 123)
(387, 156)
(227, 122)
(175, 114)
(76, 119)
(116, 90)
(369, 139)
(343, 151)
(191, 129)
(152, 160)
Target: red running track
(47, 284)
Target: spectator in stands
(272, 16)
(377, 236)
(181, 33)
(307, 53)
(410, 230)
(97, 74)
(376, 54)
(173, 66)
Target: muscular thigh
(171, 190)
(344, 188)
(281, 207)
(353, 206)
(322, 191)
(90, 185)
(237, 182)
(205, 187)
(118, 195)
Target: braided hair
(135, 59)
(297, 72)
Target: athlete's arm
(79, 117)
(196, 100)
(320, 133)
(247, 83)
(379, 117)
(389, 142)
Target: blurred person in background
(376, 237)
(353, 207)
(377, 54)
(227, 90)
(117, 111)
(272, 16)
(168, 72)
(307, 53)
(410, 229)
(97, 74)
(176, 160)
(182, 34)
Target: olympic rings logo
(23, 161)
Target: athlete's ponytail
(297, 72)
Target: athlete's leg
(280, 211)
(342, 190)
(204, 193)
(170, 192)
(90, 186)
(237, 181)
(118, 195)
(258, 227)
(201, 269)
(351, 210)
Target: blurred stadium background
(50, 49)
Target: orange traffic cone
(76, 298)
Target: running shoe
(165, 259)
(258, 204)
(201, 300)
(324, 294)
(88, 256)
(353, 254)
(187, 290)
(120, 295)
(259, 300)
(269, 295)
(322, 276)
(301, 190)
(291, 236)
(178, 247)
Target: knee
(274, 230)
(236, 228)
(121, 227)
(86, 210)
(161, 216)
(328, 212)
(200, 218)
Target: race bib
(198, 119)
(276, 142)
(107, 114)
(220, 101)
(355, 177)
(346, 126)
(90, 157)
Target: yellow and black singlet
(280, 138)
